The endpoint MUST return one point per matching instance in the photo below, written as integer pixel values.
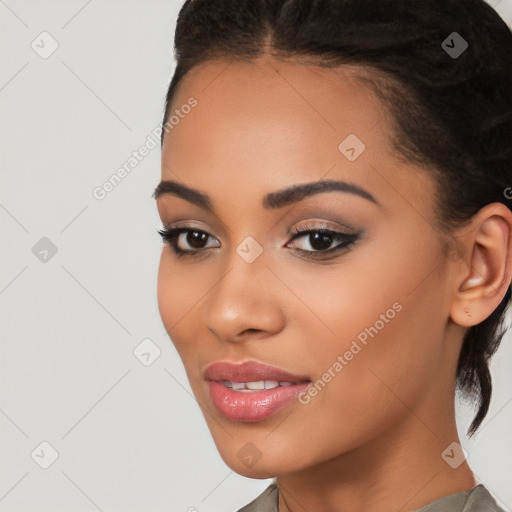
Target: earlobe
(489, 260)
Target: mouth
(251, 372)
(251, 391)
(256, 385)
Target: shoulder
(478, 499)
(267, 501)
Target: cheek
(178, 293)
(341, 304)
(168, 304)
(372, 388)
(385, 336)
(383, 366)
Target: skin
(372, 439)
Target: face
(334, 301)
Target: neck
(400, 471)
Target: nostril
(251, 330)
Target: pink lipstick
(251, 391)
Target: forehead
(267, 124)
(268, 93)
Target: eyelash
(170, 236)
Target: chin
(262, 473)
(244, 457)
(261, 470)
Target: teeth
(254, 385)
(260, 384)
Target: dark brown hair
(452, 113)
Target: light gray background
(129, 437)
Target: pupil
(320, 241)
(195, 238)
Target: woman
(337, 236)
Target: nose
(246, 303)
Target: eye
(189, 241)
(318, 241)
(185, 240)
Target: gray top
(477, 499)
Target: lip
(249, 371)
(255, 405)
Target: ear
(486, 268)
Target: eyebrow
(272, 200)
